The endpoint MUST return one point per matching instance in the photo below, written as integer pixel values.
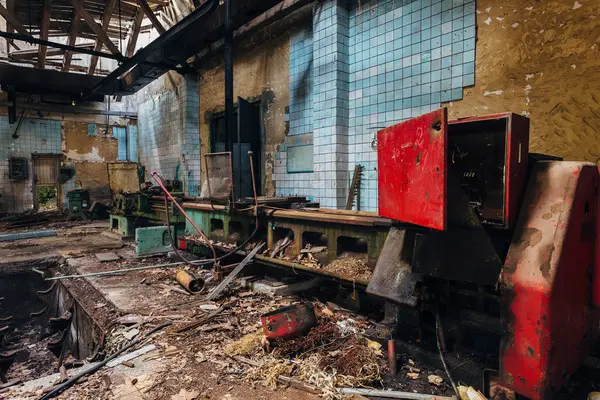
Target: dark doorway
(245, 137)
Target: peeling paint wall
(261, 72)
(540, 59)
(89, 156)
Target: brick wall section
(35, 136)
(169, 137)
(404, 58)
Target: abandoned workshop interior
(300, 199)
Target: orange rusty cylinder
(289, 322)
(190, 283)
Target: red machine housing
(546, 287)
(542, 219)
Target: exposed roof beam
(73, 32)
(12, 19)
(45, 27)
(135, 33)
(106, 17)
(33, 53)
(153, 18)
(80, 7)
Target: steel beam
(33, 40)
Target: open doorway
(245, 137)
(46, 190)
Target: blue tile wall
(35, 136)
(120, 133)
(403, 59)
(169, 137)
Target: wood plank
(73, 32)
(150, 14)
(135, 33)
(44, 33)
(106, 17)
(13, 20)
(89, 19)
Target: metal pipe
(228, 69)
(71, 110)
(393, 394)
(27, 235)
(392, 362)
(33, 40)
(158, 179)
(189, 282)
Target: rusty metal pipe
(189, 282)
(392, 362)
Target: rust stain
(556, 208)
(546, 262)
(531, 237)
(547, 216)
(435, 130)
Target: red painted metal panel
(412, 170)
(546, 284)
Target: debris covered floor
(212, 349)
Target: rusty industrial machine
(493, 244)
(480, 251)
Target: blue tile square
(457, 71)
(469, 56)
(446, 84)
(469, 44)
(469, 68)
(446, 95)
(436, 64)
(436, 76)
(436, 42)
(415, 48)
(457, 82)
(456, 3)
(457, 94)
(426, 88)
(469, 20)
(457, 12)
(446, 39)
(469, 80)
(446, 5)
(435, 97)
(406, 93)
(457, 47)
(446, 16)
(436, 31)
(446, 62)
(469, 7)
(416, 90)
(457, 36)
(436, 19)
(446, 73)
(426, 45)
(469, 32)
(426, 66)
(446, 27)
(457, 59)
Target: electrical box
(488, 155)
(18, 168)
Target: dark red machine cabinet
(497, 150)
(488, 155)
(546, 287)
(412, 170)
